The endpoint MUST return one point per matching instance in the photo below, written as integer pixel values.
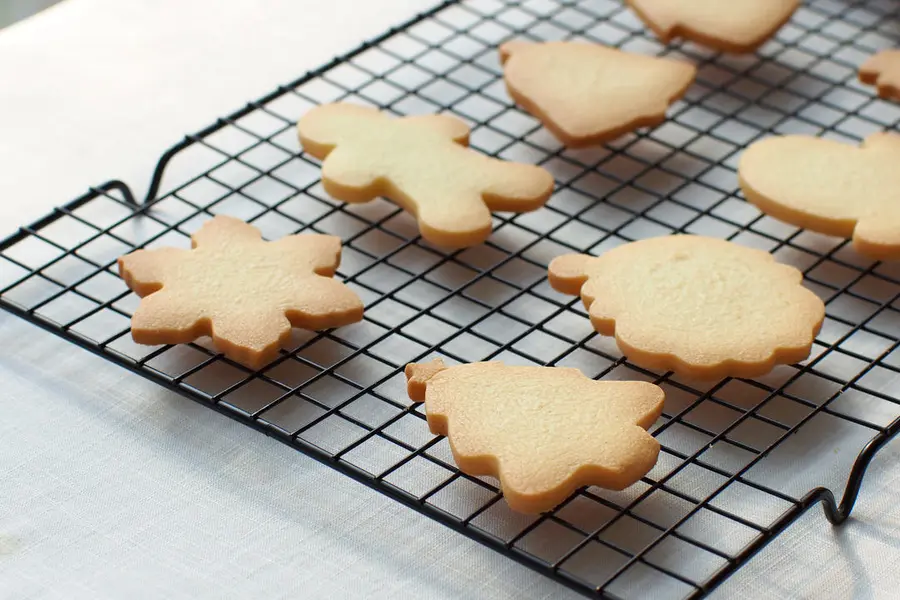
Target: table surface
(113, 486)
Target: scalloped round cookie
(701, 307)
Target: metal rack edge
(835, 513)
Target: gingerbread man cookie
(830, 187)
(421, 163)
(726, 25)
(698, 306)
(543, 432)
(587, 93)
(883, 70)
(242, 291)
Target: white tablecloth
(111, 487)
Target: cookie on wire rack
(423, 164)
(588, 93)
(702, 307)
(543, 432)
(830, 187)
(242, 291)
(728, 25)
(883, 70)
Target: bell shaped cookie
(726, 25)
(244, 292)
(543, 432)
(587, 93)
(701, 307)
(883, 71)
(421, 163)
(830, 187)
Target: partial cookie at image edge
(883, 71)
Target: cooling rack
(741, 459)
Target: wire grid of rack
(741, 459)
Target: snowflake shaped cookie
(243, 292)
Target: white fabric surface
(98, 89)
(112, 487)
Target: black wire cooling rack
(741, 459)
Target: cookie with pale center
(701, 307)
(423, 164)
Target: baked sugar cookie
(242, 291)
(883, 70)
(701, 307)
(830, 187)
(726, 25)
(587, 93)
(543, 432)
(421, 163)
